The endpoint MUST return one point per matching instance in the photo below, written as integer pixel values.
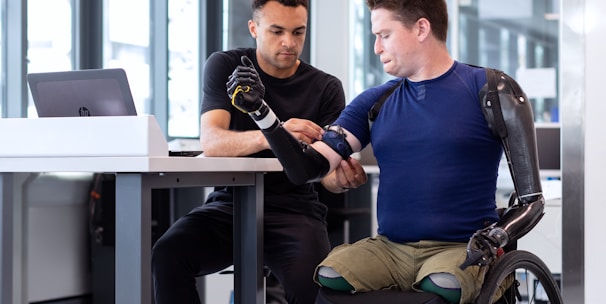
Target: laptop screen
(94, 92)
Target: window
(49, 38)
(183, 68)
(520, 38)
(126, 45)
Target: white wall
(595, 151)
(331, 40)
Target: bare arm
(218, 141)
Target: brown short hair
(409, 11)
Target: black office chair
(532, 283)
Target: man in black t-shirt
(295, 235)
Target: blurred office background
(552, 47)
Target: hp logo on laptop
(83, 111)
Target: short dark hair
(258, 4)
(409, 11)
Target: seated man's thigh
(369, 265)
(445, 257)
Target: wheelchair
(524, 277)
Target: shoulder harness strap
(493, 102)
(374, 111)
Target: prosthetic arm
(301, 162)
(509, 116)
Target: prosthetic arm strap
(334, 137)
(301, 162)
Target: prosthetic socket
(302, 163)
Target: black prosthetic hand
(301, 162)
(245, 79)
(246, 91)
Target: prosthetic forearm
(516, 222)
(301, 162)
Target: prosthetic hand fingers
(246, 101)
(246, 61)
(247, 73)
(245, 97)
(245, 87)
(243, 76)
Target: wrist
(264, 117)
(338, 188)
(343, 189)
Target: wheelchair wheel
(533, 281)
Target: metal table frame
(133, 227)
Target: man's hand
(304, 130)
(349, 174)
(245, 88)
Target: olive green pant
(377, 263)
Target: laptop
(93, 92)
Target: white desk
(135, 177)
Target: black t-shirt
(309, 94)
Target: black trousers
(201, 243)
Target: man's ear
(252, 28)
(424, 28)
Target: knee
(163, 252)
(329, 278)
(443, 284)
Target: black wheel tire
(509, 263)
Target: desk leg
(133, 239)
(13, 229)
(248, 243)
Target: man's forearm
(228, 143)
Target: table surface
(139, 164)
